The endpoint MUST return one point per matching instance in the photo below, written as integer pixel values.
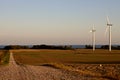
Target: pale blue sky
(57, 21)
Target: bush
(88, 47)
(15, 47)
(113, 47)
(51, 47)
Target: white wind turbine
(109, 25)
(93, 37)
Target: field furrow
(14, 71)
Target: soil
(13, 71)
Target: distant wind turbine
(109, 25)
(93, 37)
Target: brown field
(1, 52)
(37, 57)
(80, 64)
(99, 64)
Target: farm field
(1, 52)
(37, 57)
(101, 64)
(61, 65)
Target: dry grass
(109, 74)
(109, 71)
(71, 61)
(83, 61)
(37, 57)
(1, 52)
(97, 51)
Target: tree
(15, 47)
(88, 47)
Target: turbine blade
(106, 30)
(93, 26)
(108, 21)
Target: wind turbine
(109, 25)
(93, 37)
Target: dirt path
(27, 72)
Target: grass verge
(5, 58)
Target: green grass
(4, 58)
(67, 56)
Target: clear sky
(57, 21)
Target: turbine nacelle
(109, 24)
(93, 30)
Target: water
(83, 46)
(2, 46)
(78, 46)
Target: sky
(61, 22)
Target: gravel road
(12, 71)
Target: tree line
(103, 47)
(65, 47)
(62, 47)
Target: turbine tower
(93, 37)
(109, 25)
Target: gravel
(13, 71)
